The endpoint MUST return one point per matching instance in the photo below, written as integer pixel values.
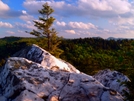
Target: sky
(74, 18)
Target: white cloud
(26, 17)
(105, 8)
(96, 8)
(70, 31)
(24, 26)
(24, 12)
(117, 6)
(124, 34)
(76, 25)
(5, 24)
(119, 20)
(61, 23)
(10, 32)
(76, 29)
(20, 31)
(6, 12)
(33, 6)
(3, 7)
(123, 25)
(60, 7)
(81, 25)
(118, 15)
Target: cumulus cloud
(70, 31)
(20, 31)
(10, 32)
(6, 12)
(3, 7)
(60, 7)
(106, 5)
(5, 24)
(96, 8)
(26, 17)
(119, 15)
(81, 25)
(24, 12)
(123, 26)
(76, 25)
(61, 23)
(105, 8)
(76, 29)
(24, 26)
(33, 6)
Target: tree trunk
(48, 36)
(49, 42)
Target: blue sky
(74, 18)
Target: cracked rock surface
(39, 55)
(33, 76)
(112, 79)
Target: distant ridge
(113, 38)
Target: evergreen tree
(55, 41)
(44, 26)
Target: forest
(89, 55)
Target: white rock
(112, 79)
(39, 55)
(36, 83)
(47, 78)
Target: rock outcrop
(35, 75)
(112, 79)
(39, 55)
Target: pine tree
(44, 26)
(55, 41)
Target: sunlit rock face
(112, 79)
(36, 75)
(38, 55)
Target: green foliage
(10, 45)
(130, 85)
(55, 42)
(90, 55)
(45, 32)
(45, 22)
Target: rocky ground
(33, 74)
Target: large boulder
(24, 80)
(39, 55)
(33, 74)
(113, 79)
